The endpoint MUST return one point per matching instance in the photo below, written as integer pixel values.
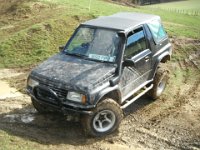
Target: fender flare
(106, 91)
(160, 58)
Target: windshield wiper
(86, 57)
(76, 54)
(97, 60)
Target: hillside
(31, 31)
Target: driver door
(136, 75)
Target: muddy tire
(40, 108)
(159, 83)
(105, 119)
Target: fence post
(90, 5)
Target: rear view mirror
(128, 62)
(61, 47)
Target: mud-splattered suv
(107, 64)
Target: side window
(157, 30)
(136, 43)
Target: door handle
(146, 58)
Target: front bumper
(54, 102)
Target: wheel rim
(104, 121)
(161, 87)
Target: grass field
(191, 7)
(32, 30)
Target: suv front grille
(60, 92)
(46, 95)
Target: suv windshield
(94, 43)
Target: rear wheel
(105, 119)
(159, 83)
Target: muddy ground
(171, 122)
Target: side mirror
(129, 62)
(61, 48)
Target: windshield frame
(65, 51)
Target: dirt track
(172, 122)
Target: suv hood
(73, 72)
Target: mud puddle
(23, 118)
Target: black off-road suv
(107, 64)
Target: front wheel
(105, 119)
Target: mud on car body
(107, 64)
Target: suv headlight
(32, 83)
(77, 97)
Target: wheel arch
(111, 92)
(163, 58)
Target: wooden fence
(176, 10)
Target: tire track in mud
(177, 136)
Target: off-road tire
(39, 107)
(160, 81)
(107, 105)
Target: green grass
(35, 43)
(27, 41)
(185, 6)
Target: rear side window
(157, 30)
(136, 43)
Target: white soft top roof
(121, 21)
